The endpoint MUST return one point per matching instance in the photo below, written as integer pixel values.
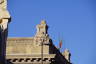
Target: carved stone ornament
(1, 1)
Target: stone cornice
(19, 38)
(31, 56)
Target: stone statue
(41, 33)
(42, 28)
(67, 55)
(4, 20)
(3, 4)
(4, 14)
(1, 1)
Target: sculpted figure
(3, 4)
(1, 1)
(4, 14)
(67, 55)
(4, 20)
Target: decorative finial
(43, 22)
(67, 50)
(67, 55)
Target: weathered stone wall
(24, 46)
(35, 50)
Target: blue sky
(74, 21)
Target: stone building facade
(35, 50)
(30, 50)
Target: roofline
(15, 38)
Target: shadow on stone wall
(3, 39)
(8, 62)
(59, 58)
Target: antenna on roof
(60, 42)
(62, 45)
